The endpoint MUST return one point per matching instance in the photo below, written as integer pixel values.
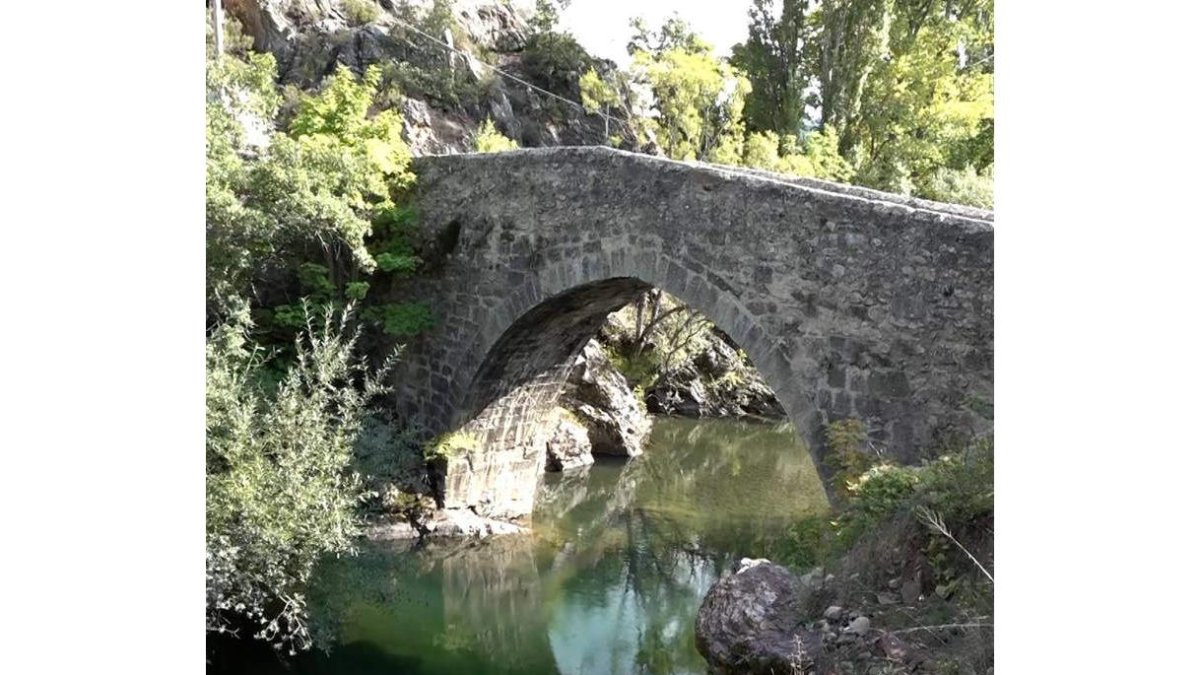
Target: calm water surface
(608, 582)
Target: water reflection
(608, 582)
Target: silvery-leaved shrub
(279, 490)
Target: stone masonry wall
(849, 301)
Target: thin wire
(470, 57)
(989, 57)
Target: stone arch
(512, 390)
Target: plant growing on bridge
(451, 444)
(278, 490)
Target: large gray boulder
(568, 446)
(751, 621)
(599, 395)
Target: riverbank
(904, 582)
(608, 578)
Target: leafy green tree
(317, 187)
(778, 57)
(596, 93)
(698, 97)
(908, 85)
(904, 86)
(488, 139)
(546, 14)
(278, 491)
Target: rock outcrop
(568, 446)
(443, 94)
(751, 622)
(716, 382)
(600, 397)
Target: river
(609, 580)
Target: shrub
(556, 61)
(451, 444)
(360, 12)
(316, 188)
(488, 139)
(848, 456)
(279, 493)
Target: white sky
(602, 26)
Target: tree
(546, 14)
(596, 93)
(778, 58)
(698, 97)
(317, 187)
(928, 101)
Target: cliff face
(444, 95)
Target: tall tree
(698, 97)
(778, 58)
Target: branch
(935, 521)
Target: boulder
(750, 622)
(568, 446)
(601, 398)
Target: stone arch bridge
(850, 302)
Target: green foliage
(762, 151)
(959, 186)
(401, 320)
(488, 139)
(699, 101)
(391, 242)
(391, 463)
(279, 493)
(848, 455)
(777, 57)
(882, 489)
(640, 369)
(546, 14)
(360, 12)
(596, 93)
(316, 188)
(555, 61)
(451, 444)
(821, 149)
(902, 95)
(427, 70)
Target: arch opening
(508, 407)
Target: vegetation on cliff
(302, 209)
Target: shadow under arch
(509, 397)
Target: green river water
(608, 582)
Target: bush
(488, 139)
(314, 189)
(960, 186)
(556, 61)
(360, 12)
(451, 445)
(278, 492)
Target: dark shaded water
(608, 582)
